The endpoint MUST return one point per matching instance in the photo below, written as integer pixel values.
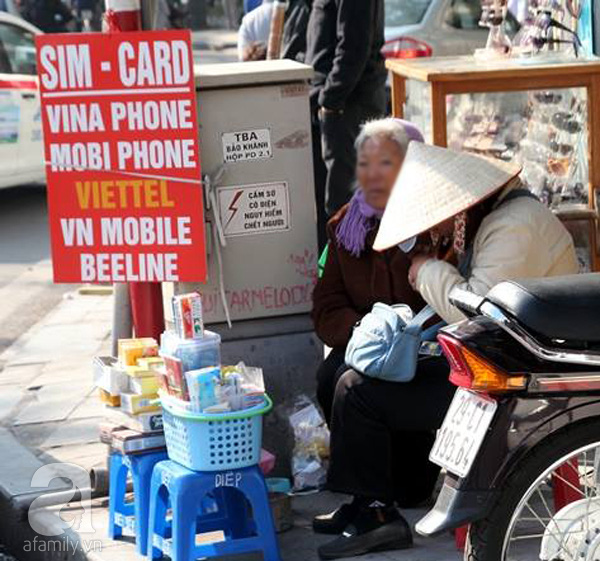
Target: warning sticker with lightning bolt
(254, 209)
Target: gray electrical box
(255, 146)
(256, 151)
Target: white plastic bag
(311, 449)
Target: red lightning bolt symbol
(232, 207)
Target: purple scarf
(359, 220)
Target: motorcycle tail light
(470, 370)
(406, 47)
(460, 375)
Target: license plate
(463, 432)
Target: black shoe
(385, 530)
(335, 522)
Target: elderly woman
(477, 215)
(354, 278)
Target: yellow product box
(131, 350)
(134, 403)
(138, 372)
(153, 363)
(144, 386)
(112, 400)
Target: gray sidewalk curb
(16, 532)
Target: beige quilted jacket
(519, 239)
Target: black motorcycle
(521, 441)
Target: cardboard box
(144, 386)
(106, 431)
(109, 376)
(153, 364)
(138, 372)
(128, 441)
(134, 403)
(187, 315)
(112, 400)
(131, 350)
(142, 422)
(177, 384)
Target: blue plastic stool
(131, 516)
(238, 506)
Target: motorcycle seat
(557, 308)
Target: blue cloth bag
(383, 345)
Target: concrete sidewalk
(49, 413)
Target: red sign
(122, 159)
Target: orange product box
(112, 400)
(187, 315)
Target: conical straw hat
(435, 184)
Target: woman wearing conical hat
(480, 219)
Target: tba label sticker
(242, 146)
(254, 209)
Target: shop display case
(542, 112)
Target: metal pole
(596, 26)
(146, 298)
(121, 324)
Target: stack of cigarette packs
(128, 385)
(195, 381)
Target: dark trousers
(328, 374)
(320, 175)
(382, 433)
(338, 134)
(334, 156)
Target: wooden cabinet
(542, 112)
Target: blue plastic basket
(214, 442)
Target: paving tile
(18, 468)
(21, 374)
(10, 397)
(76, 327)
(90, 407)
(86, 456)
(53, 402)
(80, 431)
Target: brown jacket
(351, 285)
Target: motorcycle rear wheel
(524, 522)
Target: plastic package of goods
(201, 386)
(311, 449)
(131, 350)
(267, 462)
(193, 353)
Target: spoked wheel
(549, 509)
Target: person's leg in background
(337, 144)
(327, 377)
(366, 415)
(338, 134)
(320, 175)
